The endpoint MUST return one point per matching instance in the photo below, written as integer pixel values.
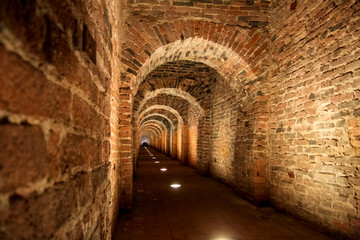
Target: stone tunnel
(261, 95)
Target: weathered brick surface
(192, 137)
(21, 145)
(85, 117)
(191, 77)
(25, 90)
(78, 150)
(39, 215)
(223, 132)
(314, 122)
(55, 119)
(179, 143)
(178, 103)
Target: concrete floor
(201, 209)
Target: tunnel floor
(201, 209)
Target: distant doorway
(144, 140)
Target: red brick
(78, 151)
(39, 218)
(24, 146)
(26, 90)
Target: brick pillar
(136, 145)
(168, 143)
(126, 161)
(164, 145)
(203, 150)
(179, 143)
(184, 145)
(174, 144)
(158, 141)
(192, 145)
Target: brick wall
(57, 154)
(179, 143)
(223, 132)
(314, 137)
(192, 136)
(174, 143)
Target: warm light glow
(163, 169)
(153, 157)
(175, 185)
(157, 162)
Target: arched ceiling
(156, 122)
(191, 77)
(153, 126)
(179, 104)
(166, 110)
(175, 63)
(176, 85)
(147, 132)
(157, 119)
(172, 92)
(163, 118)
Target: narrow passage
(201, 209)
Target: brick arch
(163, 112)
(153, 126)
(193, 77)
(163, 107)
(181, 105)
(160, 115)
(223, 59)
(147, 131)
(174, 92)
(173, 115)
(164, 122)
(228, 48)
(154, 121)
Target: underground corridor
(172, 201)
(251, 106)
